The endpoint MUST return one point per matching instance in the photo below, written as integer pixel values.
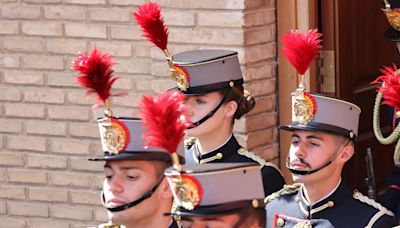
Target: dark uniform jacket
(342, 208)
(392, 194)
(233, 152)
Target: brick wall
(47, 129)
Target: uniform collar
(334, 198)
(229, 147)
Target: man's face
(126, 181)
(226, 221)
(310, 150)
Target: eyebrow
(294, 135)
(122, 167)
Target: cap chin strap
(146, 195)
(210, 114)
(308, 172)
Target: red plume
(390, 86)
(95, 74)
(164, 120)
(148, 16)
(301, 48)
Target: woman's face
(199, 106)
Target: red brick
(70, 179)
(24, 110)
(269, 152)
(259, 71)
(46, 161)
(132, 66)
(83, 164)
(180, 18)
(68, 113)
(259, 52)
(61, 79)
(100, 214)
(28, 209)
(13, 222)
(78, 97)
(10, 94)
(85, 30)
(90, 130)
(69, 146)
(123, 49)
(27, 176)
(259, 138)
(264, 104)
(11, 159)
(10, 126)
(259, 36)
(72, 212)
(39, 127)
(47, 194)
(86, 2)
(259, 17)
(19, 11)
(220, 19)
(9, 27)
(110, 14)
(2, 208)
(65, 12)
(64, 46)
(125, 32)
(261, 121)
(9, 61)
(43, 62)
(36, 223)
(262, 87)
(26, 143)
(23, 44)
(42, 28)
(85, 197)
(44, 95)
(23, 77)
(12, 192)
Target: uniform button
(280, 222)
(331, 203)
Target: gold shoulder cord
(286, 190)
(110, 224)
(260, 160)
(381, 209)
(395, 135)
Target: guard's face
(199, 106)
(126, 181)
(226, 221)
(310, 150)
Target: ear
(347, 153)
(165, 191)
(230, 108)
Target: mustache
(300, 161)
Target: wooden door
(354, 30)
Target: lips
(115, 202)
(297, 165)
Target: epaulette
(260, 160)
(189, 142)
(286, 190)
(381, 209)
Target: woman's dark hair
(243, 99)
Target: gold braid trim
(260, 160)
(286, 190)
(381, 209)
(110, 224)
(395, 135)
(189, 142)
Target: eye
(311, 143)
(295, 142)
(108, 177)
(131, 177)
(199, 101)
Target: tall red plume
(164, 120)
(95, 74)
(148, 16)
(390, 86)
(301, 48)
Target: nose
(115, 184)
(299, 150)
